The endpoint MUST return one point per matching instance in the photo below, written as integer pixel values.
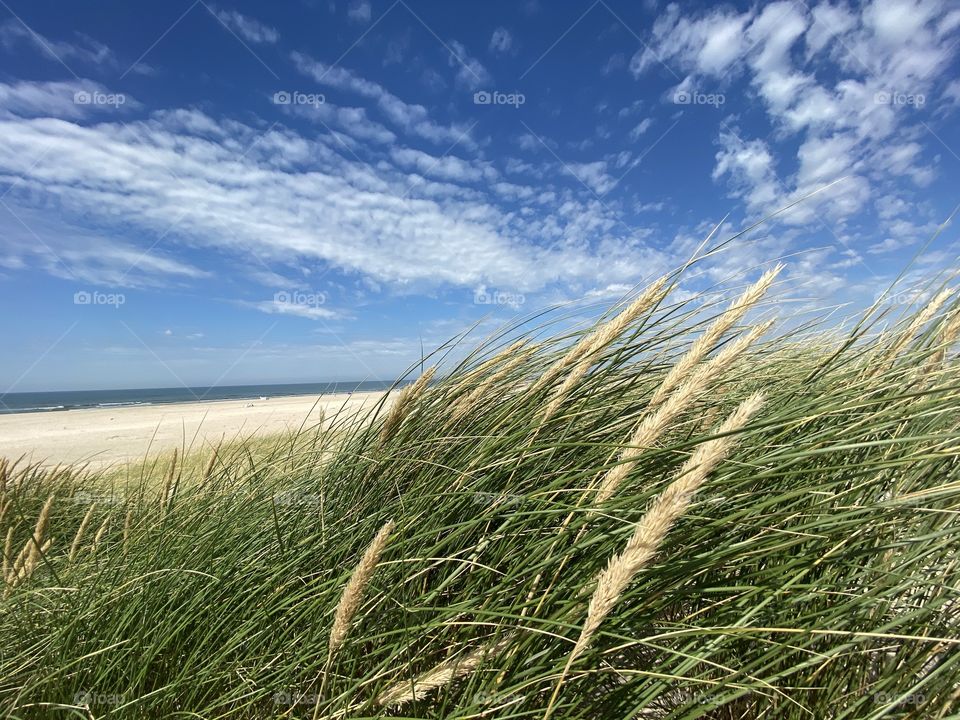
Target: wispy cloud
(246, 27)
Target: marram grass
(451, 554)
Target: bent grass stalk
(78, 538)
(99, 535)
(585, 357)
(947, 337)
(904, 338)
(477, 395)
(602, 336)
(702, 346)
(8, 555)
(654, 526)
(168, 484)
(404, 404)
(649, 430)
(355, 587)
(439, 676)
(653, 425)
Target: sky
(196, 192)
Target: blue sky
(198, 192)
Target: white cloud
(501, 41)
(409, 117)
(311, 312)
(72, 252)
(64, 99)
(710, 44)
(85, 50)
(286, 199)
(787, 52)
(640, 128)
(360, 11)
(829, 21)
(447, 167)
(470, 72)
(246, 27)
(594, 175)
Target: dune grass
(773, 530)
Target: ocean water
(20, 402)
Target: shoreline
(104, 436)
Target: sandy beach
(108, 436)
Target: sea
(30, 402)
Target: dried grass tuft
(653, 528)
(586, 356)
(404, 403)
(655, 424)
(354, 590)
(439, 676)
(905, 338)
(587, 347)
(78, 538)
(702, 346)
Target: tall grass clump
(693, 509)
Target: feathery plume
(654, 424)
(34, 547)
(657, 521)
(100, 534)
(712, 335)
(78, 538)
(598, 340)
(653, 528)
(467, 403)
(33, 561)
(490, 363)
(947, 337)
(353, 592)
(4, 506)
(439, 676)
(404, 403)
(584, 350)
(919, 320)
(39, 532)
(211, 464)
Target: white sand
(107, 436)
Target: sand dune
(106, 436)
